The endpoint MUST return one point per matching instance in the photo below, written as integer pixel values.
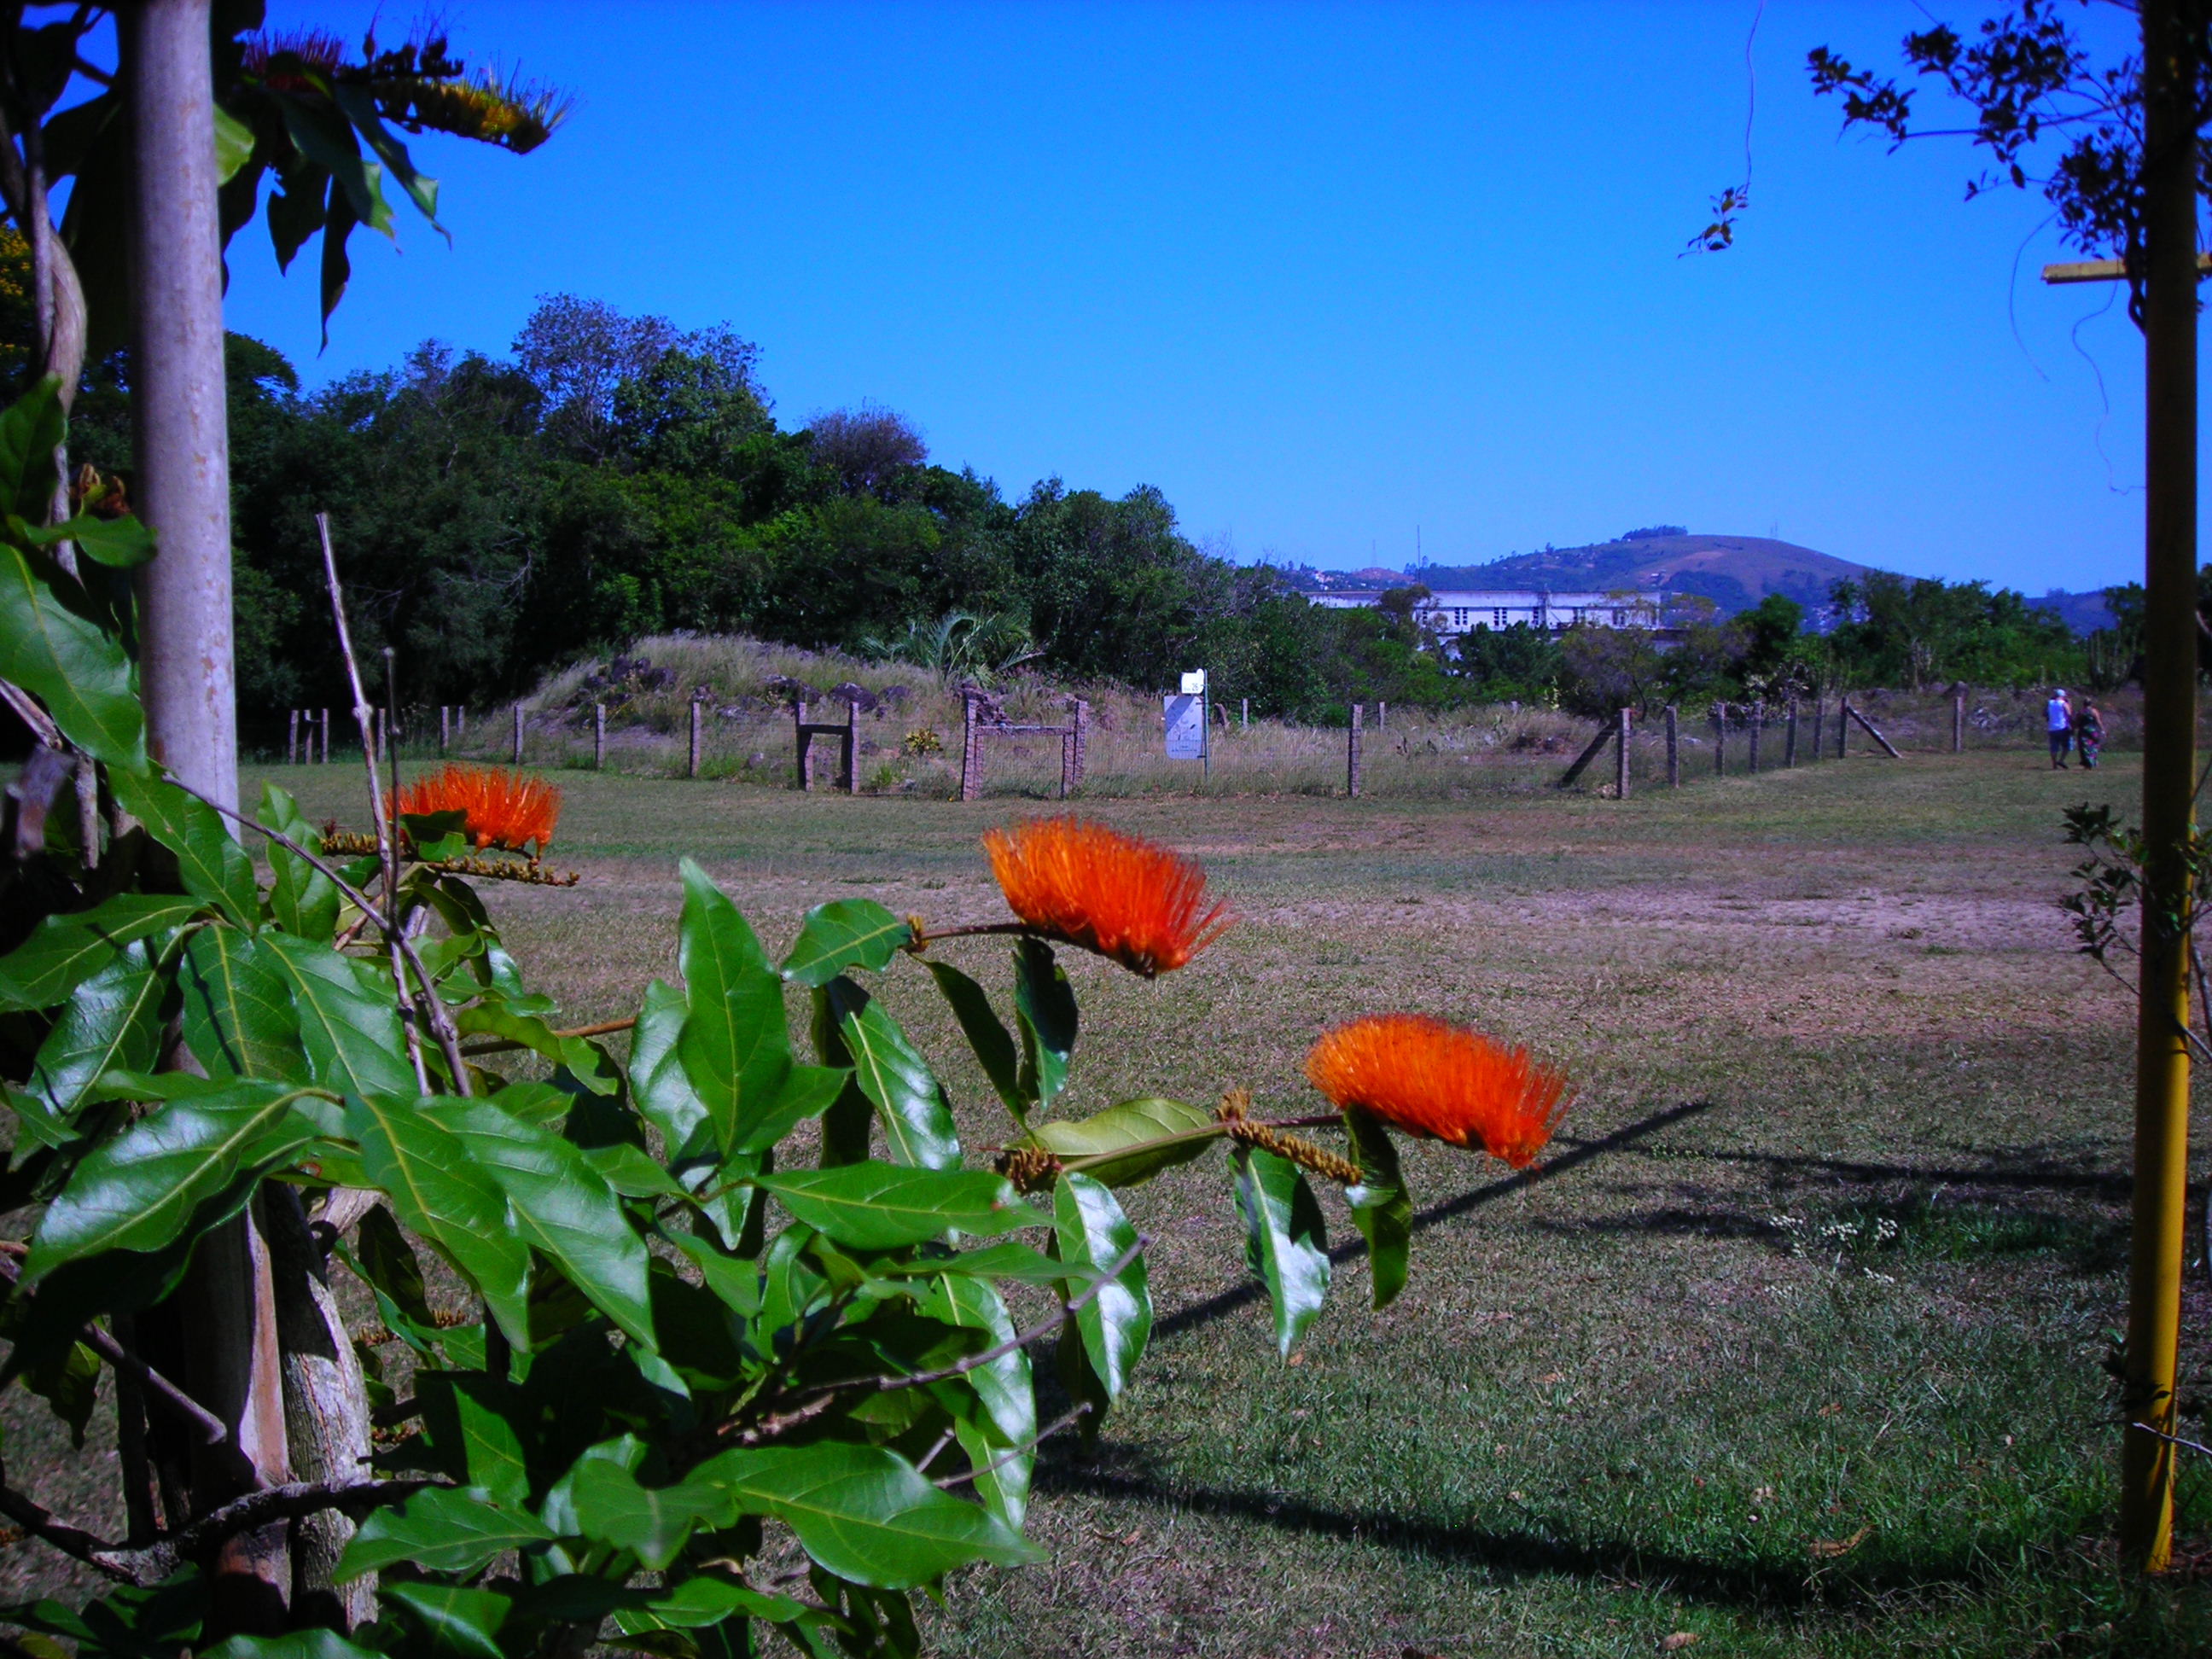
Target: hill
(1734, 572)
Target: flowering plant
(728, 1334)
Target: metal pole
(2161, 1137)
(1673, 751)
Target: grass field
(1793, 1345)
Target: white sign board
(1193, 683)
(1186, 727)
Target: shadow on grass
(1214, 1307)
(1620, 1563)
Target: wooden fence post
(1621, 760)
(851, 747)
(1789, 738)
(1381, 715)
(324, 724)
(1758, 719)
(599, 737)
(518, 734)
(1958, 722)
(1843, 727)
(1352, 752)
(1673, 751)
(1244, 713)
(803, 744)
(1720, 739)
(445, 728)
(292, 741)
(692, 768)
(1082, 737)
(971, 783)
(1819, 715)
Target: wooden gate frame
(1071, 737)
(848, 742)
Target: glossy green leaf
(1007, 1259)
(70, 664)
(844, 934)
(1286, 1240)
(808, 1091)
(214, 866)
(863, 1513)
(441, 1194)
(706, 1598)
(387, 1262)
(68, 1380)
(631, 1171)
(1044, 1009)
(1093, 1234)
(473, 1418)
(31, 426)
(62, 952)
(1003, 1388)
(234, 149)
(558, 1511)
(897, 1080)
(112, 1020)
(881, 1206)
(461, 1622)
(658, 1082)
(1381, 1206)
(735, 1045)
(495, 1019)
(121, 544)
(303, 900)
(651, 1523)
(439, 1529)
(140, 1190)
(994, 1048)
(349, 1018)
(1132, 1123)
(294, 1644)
(561, 1204)
(238, 1020)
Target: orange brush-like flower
(1119, 896)
(1436, 1078)
(502, 809)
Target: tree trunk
(178, 437)
(226, 1306)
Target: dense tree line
(616, 477)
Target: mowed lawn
(1794, 1343)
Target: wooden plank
(2100, 270)
(1871, 732)
(1596, 747)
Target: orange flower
(1435, 1078)
(1119, 896)
(503, 809)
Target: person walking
(2089, 734)
(2058, 718)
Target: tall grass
(910, 741)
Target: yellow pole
(2162, 1149)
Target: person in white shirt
(2058, 718)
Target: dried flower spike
(501, 809)
(1431, 1077)
(1120, 896)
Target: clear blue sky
(1323, 275)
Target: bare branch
(41, 1523)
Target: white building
(1459, 611)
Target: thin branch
(41, 1522)
(212, 1429)
(159, 1559)
(2172, 1439)
(1065, 1419)
(431, 1007)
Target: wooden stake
(1620, 759)
(1958, 722)
(599, 737)
(324, 725)
(518, 734)
(292, 741)
(691, 768)
(1758, 719)
(1351, 753)
(1789, 738)
(1673, 751)
(1871, 732)
(852, 748)
(1720, 739)
(1244, 713)
(971, 780)
(445, 728)
(802, 746)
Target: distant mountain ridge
(1734, 572)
